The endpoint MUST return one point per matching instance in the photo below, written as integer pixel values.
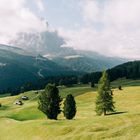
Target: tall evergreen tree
(69, 107)
(104, 101)
(50, 101)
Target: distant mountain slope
(52, 46)
(17, 69)
(14, 49)
(88, 63)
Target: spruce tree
(69, 107)
(50, 101)
(104, 101)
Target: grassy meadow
(28, 123)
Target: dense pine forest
(129, 70)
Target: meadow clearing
(28, 123)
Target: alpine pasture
(27, 122)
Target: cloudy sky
(110, 27)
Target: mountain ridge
(52, 46)
(17, 69)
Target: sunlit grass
(27, 122)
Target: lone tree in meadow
(50, 101)
(104, 101)
(69, 107)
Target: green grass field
(125, 83)
(28, 123)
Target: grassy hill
(125, 83)
(27, 122)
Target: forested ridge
(129, 70)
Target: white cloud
(110, 43)
(123, 13)
(91, 11)
(118, 13)
(16, 17)
(40, 5)
(112, 28)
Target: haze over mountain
(50, 45)
(43, 43)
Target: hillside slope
(17, 69)
(129, 70)
(27, 122)
(85, 63)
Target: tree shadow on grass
(116, 113)
(3, 107)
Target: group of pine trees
(50, 103)
(50, 100)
